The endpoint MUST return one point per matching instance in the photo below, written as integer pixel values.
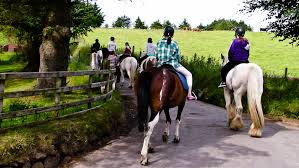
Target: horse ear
(222, 56)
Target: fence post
(2, 82)
(133, 50)
(89, 90)
(286, 73)
(57, 94)
(108, 84)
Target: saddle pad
(181, 76)
(183, 80)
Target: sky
(195, 11)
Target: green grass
(73, 133)
(11, 62)
(273, 56)
(3, 39)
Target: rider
(150, 47)
(112, 46)
(168, 53)
(127, 52)
(150, 50)
(96, 46)
(237, 54)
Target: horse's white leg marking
(144, 150)
(228, 104)
(166, 130)
(177, 129)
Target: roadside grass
(75, 133)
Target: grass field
(273, 56)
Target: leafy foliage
(156, 25)
(283, 16)
(85, 17)
(168, 23)
(185, 25)
(122, 21)
(223, 24)
(139, 24)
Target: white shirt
(111, 46)
(150, 49)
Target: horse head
(225, 59)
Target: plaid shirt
(168, 54)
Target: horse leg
(237, 122)
(122, 78)
(152, 122)
(130, 80)
(168, 122)
(229, 107)
(178, 123)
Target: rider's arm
(231, 51)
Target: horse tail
(254, 96)
(143, 98)
(133, 68)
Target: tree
(139, 24)
(282, 16)
(167, 23)
(156, 25)
(223, 24)
(122, 21)
(46, 26)
(201, 27)
(84, 17)
(185, 25)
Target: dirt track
(205, 142)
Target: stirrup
(222, 84)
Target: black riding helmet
(240, 31)
(168, 31)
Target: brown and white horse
(160, 89)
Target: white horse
(96, 60)
(147, 63)
(128, 65)
(247, 77)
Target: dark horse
(160, 89)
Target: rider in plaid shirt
(168, 53)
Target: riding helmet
(239, 31)
(169, 31)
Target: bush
(16, 105)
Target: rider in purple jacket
(238, 53)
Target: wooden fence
(109, 85)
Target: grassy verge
(280, 97)
(11, 62)
(70, 135)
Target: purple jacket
(239, 50)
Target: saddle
(180, 75)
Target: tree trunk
(32, 52)
(54, 50)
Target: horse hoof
(144, 161)
(164, 138)
(151, 150)
(176, 140)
